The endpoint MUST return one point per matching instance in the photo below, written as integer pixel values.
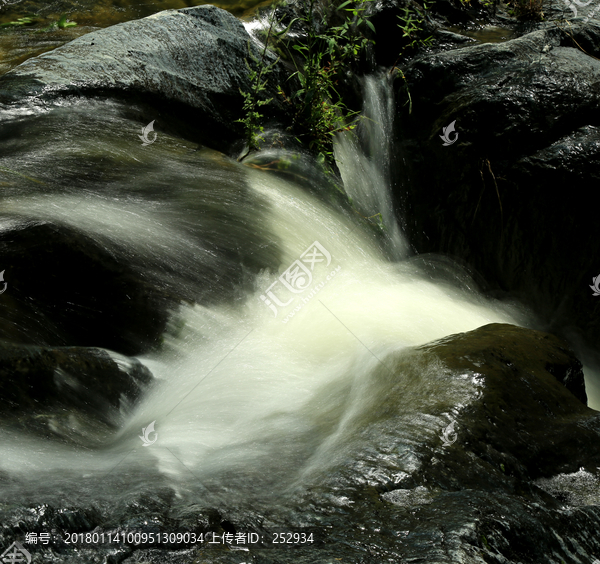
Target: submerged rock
(78, 180)
(90, 252)
(72, 393)
(508, 192)
(64, 288)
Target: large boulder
(490, 483)
(193, 60)
(511, 195)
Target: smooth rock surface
(69, 393)
(65, 288)
(191, 59)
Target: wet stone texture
(101, 302)
(192, 59)
(514, 482)
(77, 394)
(510, 195)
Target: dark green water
(20, 42)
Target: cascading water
(260, 394)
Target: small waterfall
(365, 160)
(266, 392)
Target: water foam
(240, 391)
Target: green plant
(485, 3)
(527, 9)
(25, 20)
(254, 99)
(321, 58)
(411, 25)
(61, 23)
(349, 37)
(252, 119)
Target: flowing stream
(258, 393)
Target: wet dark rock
(74, 393)
(191, 59)
(64, 288)
(525, 419)
(443, 22)
(511, 195)
(485, 495)
(563, 10)
(387, 16)
(514, 482)
(530, 350)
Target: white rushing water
(274, 382)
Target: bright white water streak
(241, 388)
(240, 374)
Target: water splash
(247, 401)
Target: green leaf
(62, 22)
(25, 20)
